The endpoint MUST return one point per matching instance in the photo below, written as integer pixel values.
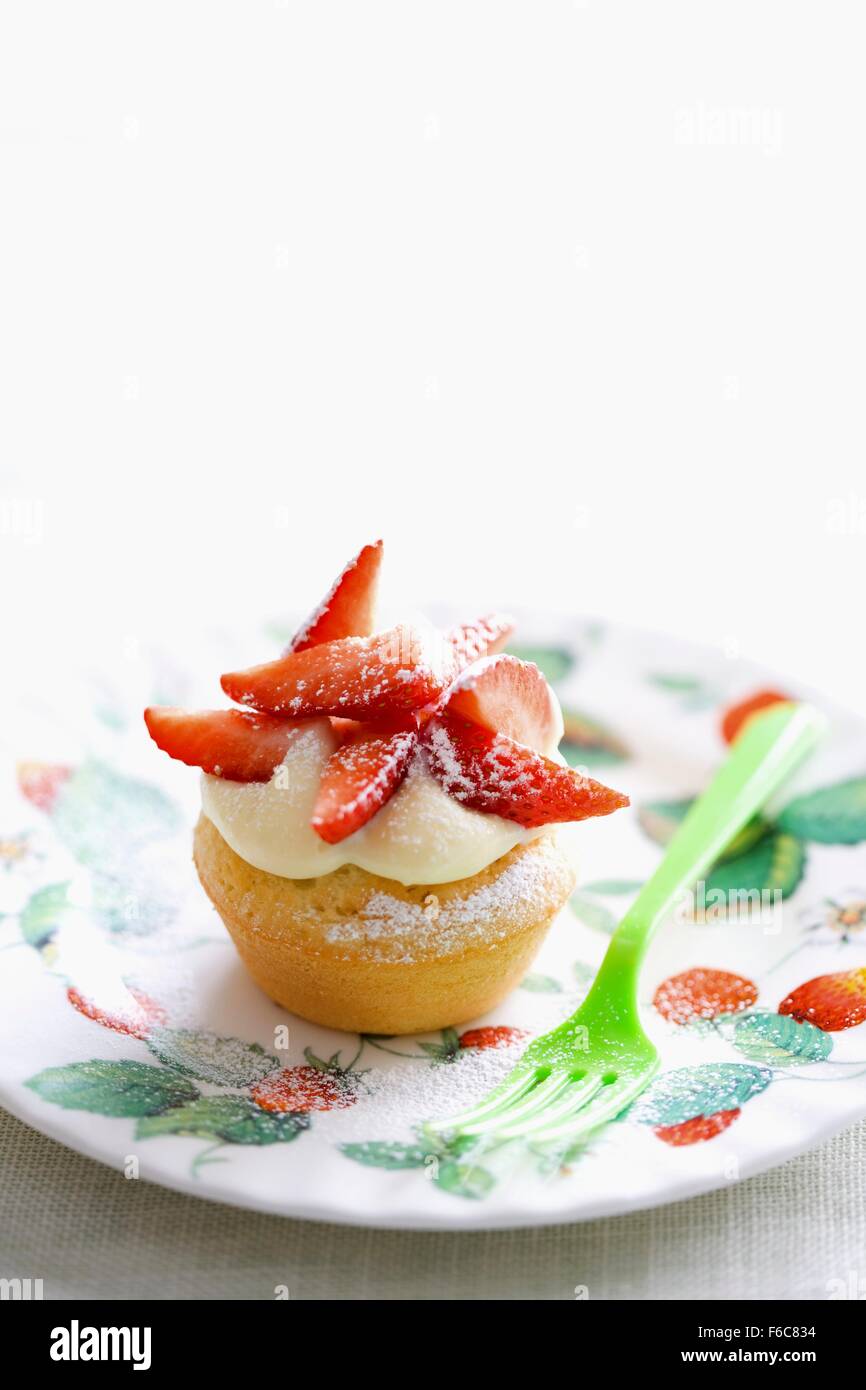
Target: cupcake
(378, 819)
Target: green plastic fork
(584, 1073)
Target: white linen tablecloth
(89, 1233)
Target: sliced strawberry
(355, 678)
(735, 717)
(465, 644)
(492, 773)
(359, 778)
(348, 609)
(232, 743)
(509, 696)
(344, 728)
(481, 638)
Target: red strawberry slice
(344, 728)
(492, 773)
(356, 678)
(508, 696)
(232, 743)
(465, 644)
(349, 607)
(481, 638)
(359, 778)
(735, 717)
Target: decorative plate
(130, 1031)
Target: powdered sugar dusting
(469, 641)
(356, 761)
(398, 1097)
(449, 769)
(404, 931)
(402, 668)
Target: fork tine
(598, 1111)
(578, 1094)
(512, 1088)
(537, 1099)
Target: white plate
(99, 894)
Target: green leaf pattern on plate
(43, 914)
(381, 1154)
(834, 815)
(587, 742)
(123, 1088)
(761, 860)
(541, 984)
(688, 1092)
(100, 814)
(778, 1039)
(692, 693)
(232, 1119)
(592, 913)
(221, 1061)
(774, 865)
(463, 1179)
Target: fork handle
(767, 750)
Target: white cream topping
(421, 835)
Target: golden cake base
(355, 951)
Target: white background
(566, 300)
